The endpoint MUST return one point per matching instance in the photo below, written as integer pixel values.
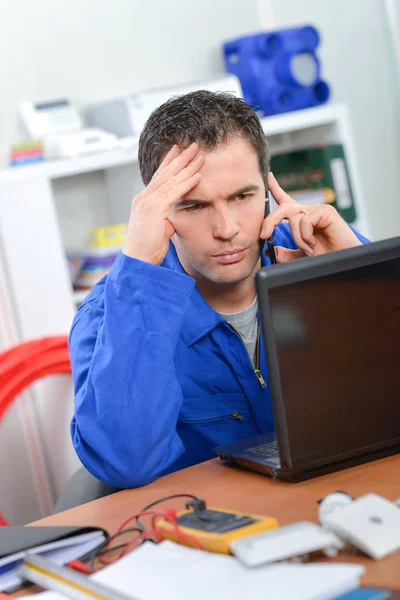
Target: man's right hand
(149, 229)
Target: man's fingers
(172, 189)
(285, 255)
(169, 157)
(193, 167)
(175, 193)
(178, 162)
(284, 211)
(307, 230)
(297, 227)
(277, 192)
(169, 166)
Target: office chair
(27, 362)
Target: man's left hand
(316, 228)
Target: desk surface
(227, 487)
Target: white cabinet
(45, 207)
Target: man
(166, 351)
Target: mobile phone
(270, 240)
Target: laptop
(331, 330)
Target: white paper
(173, 572)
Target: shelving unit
(127, 154)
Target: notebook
(60, 544)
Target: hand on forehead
(230, 166)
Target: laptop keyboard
(270, 450)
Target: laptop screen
(337, 344)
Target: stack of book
(26, 153)
(104, 245)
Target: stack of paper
(173, 572)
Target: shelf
(302, 119)
(128, 152)
(64, 167)
(79, 296)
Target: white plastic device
(331, 503)
(48, 118)
(60, 126)
(283, 543)
(370, 523)
(126, 116)
(77, 143)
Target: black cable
(123, 546)
(138, 523)
(119, 547)
(99, 550)
(96, 550)
(115, 548)
(197, 503)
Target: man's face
(218, 222)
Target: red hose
(27, 362)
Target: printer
(126, 116)
(59, 125)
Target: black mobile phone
(270, 240)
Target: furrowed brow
(244, 190)
(195, 202)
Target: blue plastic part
(279, 71)
(284, 67)
(366, 594)
(28, 160)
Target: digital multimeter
(216, 528)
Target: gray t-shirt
(246, 323)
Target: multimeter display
(213, 528)
(214, 521)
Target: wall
(357, 63)
(89, 50)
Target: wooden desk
(227, 487)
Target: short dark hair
(205, 117)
